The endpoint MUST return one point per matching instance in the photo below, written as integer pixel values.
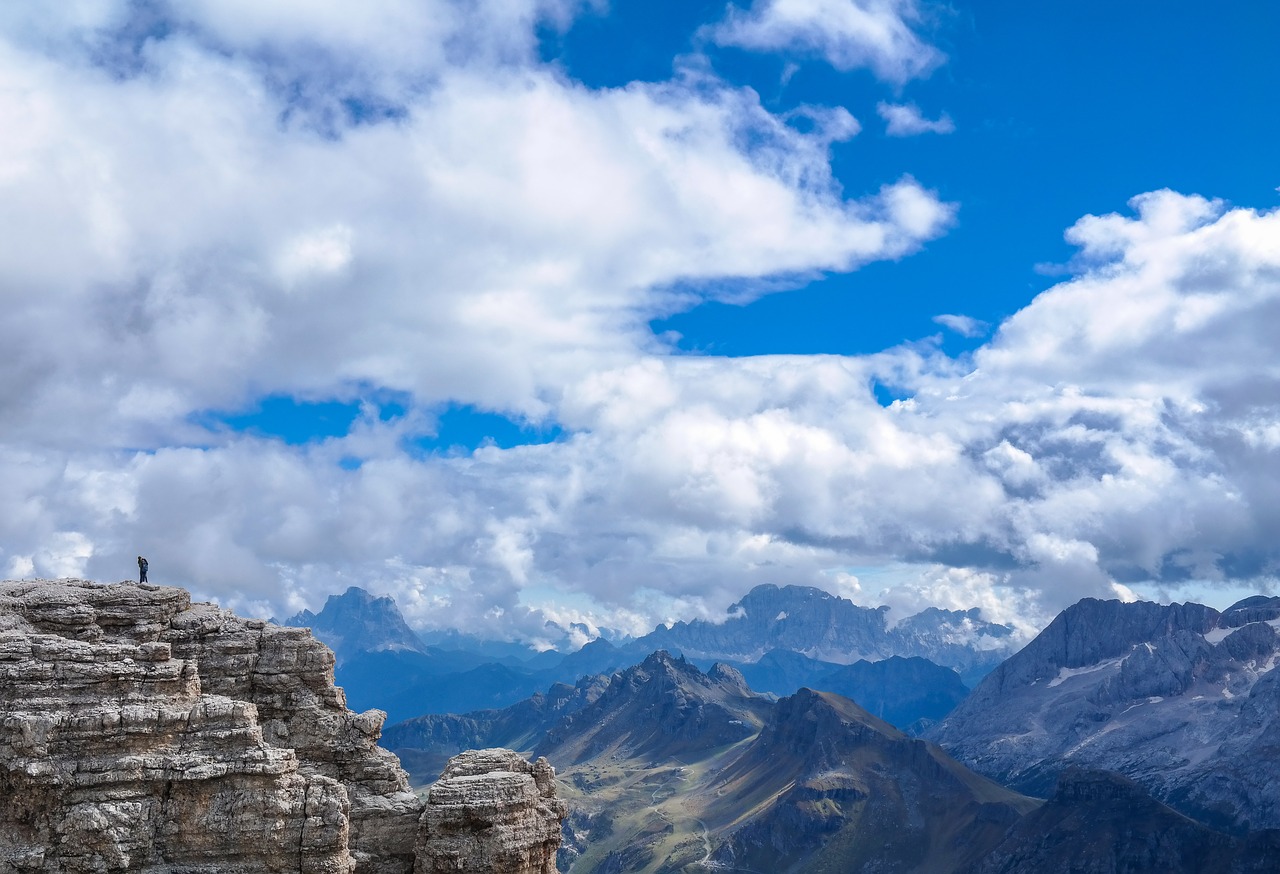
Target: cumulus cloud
(848, 34)
(204, 249)
(184, 233)
(906, 120)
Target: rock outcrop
(142, 732)
(491, 812)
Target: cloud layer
(221, 203)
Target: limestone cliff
(142, 732)
(491, 812)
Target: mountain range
(1151, 730)
(676, 769)
(671, 769)
(781, 638)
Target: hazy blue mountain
(901, 691)
(356, 622)
(904, 692)
(824, 627)
(774, 637)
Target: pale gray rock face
(142, 732)
(1180, 698)
(491, 812)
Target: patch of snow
(1218, 635)
(781, 615)
(1154, 699)
(1068, 673)
(1226, 693)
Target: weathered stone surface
(142, 732)
(491, 812)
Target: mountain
(827, 786)
(667, 768)
(904, 692)
(675, 770)
(1178, 697)
(1098, 821)
(356, 622)
(661, 709)
(822, 626)
(629, 760)
(901, 691)
(775, 635)
(384, 664)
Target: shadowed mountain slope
(828, 786)
(1098, 821)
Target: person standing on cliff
(142, 569)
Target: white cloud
(906, 120)
(848, 34)
(965, 326)
(181, 236)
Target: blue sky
(552, 311)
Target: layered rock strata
(142, 732)
(491, 812)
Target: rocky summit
(142, 732)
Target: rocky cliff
(142, 732)
(491, 812)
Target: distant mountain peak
(823, 626)
(358, 621)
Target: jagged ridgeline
(141, 732)
(780, 638)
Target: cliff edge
(141, 732)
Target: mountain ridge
(1172, 696)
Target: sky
(539, 312)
